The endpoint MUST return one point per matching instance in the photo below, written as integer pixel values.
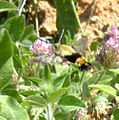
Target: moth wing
(66, 50)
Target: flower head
(108, 54)
(113, 32)
(41, 46)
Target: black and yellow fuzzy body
(72, 56)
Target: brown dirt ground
(106, 12)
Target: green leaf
(11, 109)
(101, 99)
(27, 32)
(7, 6)
(115, 80)
(15, 26)
(105, 79)
(35, 80)
(85, 90)
(16, 57)
(94, 46)
(60, 116)
(13, 93)
(115, 71)
(117, 86)
(35, 100)
(67, 81)
(6, 62)
(100, 33)
(28, 93)
(115, 115)
(67, 17)
(70, 103)
(105, 88)
(57, 94)
(33, 37)
(58, 82)
(2, 118)
(47, 73)
(5, 47)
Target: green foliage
(105, 88)
(7, 6)
(6, 60)
(13, 93)
(100, 33)
(11, 109)
(67, 17)
(38, 91)
(27, 32)
(57, 94)
(115, 115)
(70, 103)
(15, 26)
(94, 46)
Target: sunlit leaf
(7, 6)
(35, 100)
(2, 118)
(117, 86)
(11, 109)
(105, 88)
(58, 82)
(115, 71)
(100, 33)
(70, 103)
(57, 94)
(15, 26)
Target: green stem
(21, 7)
(37, 26)
(49, 112)
(36, 17)
(100, 77)
(89, 50)
(79, 23)
(36, 116)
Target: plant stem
(37, 26)
(36, 116)
(21, 7)
(100, 77)
(79, 23)
(49, 112)
(35, 4)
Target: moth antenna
(61, 35)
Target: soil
(106, 12)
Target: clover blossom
(41, 46)
(113, 32)
(108, 54)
